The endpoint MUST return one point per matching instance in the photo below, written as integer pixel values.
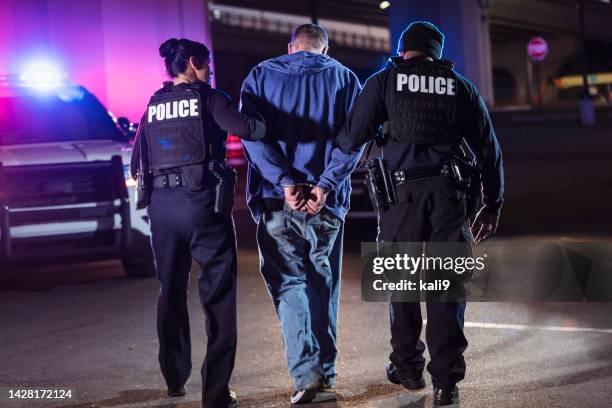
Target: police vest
(423, 103)
(175, 127)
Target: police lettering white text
(174, 109)
(426, 84)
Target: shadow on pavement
(124, 397)
(43, 279)
(370, 395)
(601, 353)
(387, 395)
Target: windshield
(65, 114)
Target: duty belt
(405, 175)
(168, 180)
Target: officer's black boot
(178, 392)
(412, 384)
(446, 396)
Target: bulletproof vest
(175, 126)
(423, 102)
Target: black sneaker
(304, 396)
(411, 384)
(446, 396)
(177, 392)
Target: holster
(461, 173)
(225, 187)
(379, 184)
(473, 190)
(144, 188)
(471, 184)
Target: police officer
(431, 109)
(179, 155)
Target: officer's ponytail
(176, 54)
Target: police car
(65, 188)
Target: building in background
(247, 32)
(486, 38)
(110, 46)
(557, 78)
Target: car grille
(38, 186)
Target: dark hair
(313, 34)
(176, 54)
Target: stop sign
(537, 48)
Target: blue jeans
(300, 260)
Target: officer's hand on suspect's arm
(231, 120)
(484, 225)
(316, 200)
(294, 197)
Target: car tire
(137, 259)
(145, 269)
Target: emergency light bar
(42, 74)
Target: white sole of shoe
(303, 396)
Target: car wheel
(144, 269)
(137, 259)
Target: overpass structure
(110, 46)
(486, 38)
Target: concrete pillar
(109, 46)
(561, 49)
(512, 57)
(466, 27)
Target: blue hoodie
(304, 99)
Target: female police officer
(179, 156)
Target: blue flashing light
(42, 75)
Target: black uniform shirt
(370, 111)
(226, 118)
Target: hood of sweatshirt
(300, 63)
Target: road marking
(483, 325)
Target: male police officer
(181, 146)
(431, 109)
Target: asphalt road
(88, 329)
(92, 331)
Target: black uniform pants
(184, 226)
(428, 210)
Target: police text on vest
(426, 84)
(173, 110)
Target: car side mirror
(127, 127)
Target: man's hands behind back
(305, 198)
(295, 197)
(316, 200)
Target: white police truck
(65, 189)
